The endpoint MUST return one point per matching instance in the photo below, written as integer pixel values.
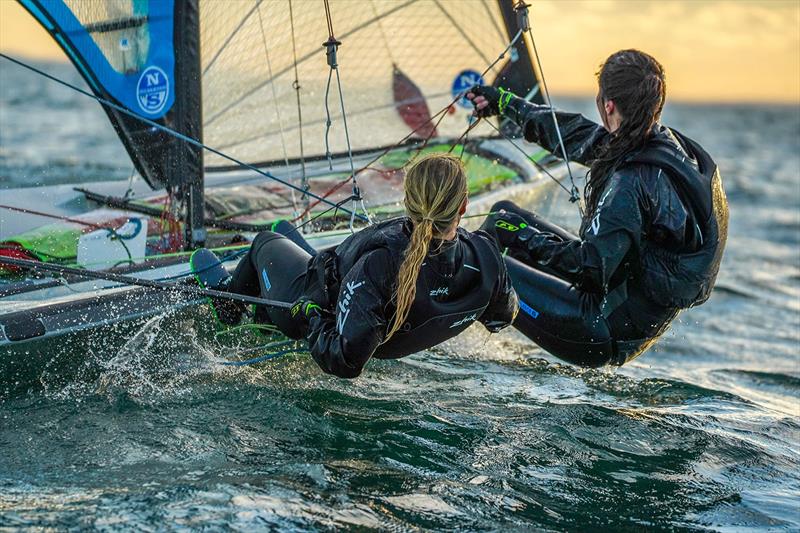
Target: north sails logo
(441, 291)
(344, 305)
(465, 320)
(152, 90)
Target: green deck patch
(482, 173)
(52, 242)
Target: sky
(712, 50)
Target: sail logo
(152, 90)
(465, 80)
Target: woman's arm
(581, 135)
(615, 228)
(341, 345)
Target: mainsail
(249, 77)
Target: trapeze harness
(574, 324)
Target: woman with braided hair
(652, 235)
(389, 290)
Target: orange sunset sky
(713, 50)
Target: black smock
(461, 281)
(588, 298)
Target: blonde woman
(388, 291)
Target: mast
(143, 55)
(186, 161)
(518, 74)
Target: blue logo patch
(528, 309)
(267, 284)
(152, 90)
(466, 79)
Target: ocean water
(481, 433)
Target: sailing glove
(498, 99)
(511, 228)
(303, 310)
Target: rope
(140, 282)
(111, 231)
(296, 85)
(275, 101)
(535, 163)
(574, 195)
(170, 131)
(332, 46)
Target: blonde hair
(435, 189)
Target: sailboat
(232, 115)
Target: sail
(400, 62)
(142, 55)
(261, 70)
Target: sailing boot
(210, 274)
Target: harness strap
(613, 299)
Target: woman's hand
(485, 99)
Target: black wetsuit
(461, 281)
(652, 246)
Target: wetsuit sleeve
(616, 228)
(581, 135)
(341, 345)
(504, 304)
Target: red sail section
(410, 103)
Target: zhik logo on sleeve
(344, 305)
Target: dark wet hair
(636, 83)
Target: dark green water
(483, 433)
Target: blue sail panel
(124, 49)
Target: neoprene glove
(510, 228)
(303, 310)
(497, 98)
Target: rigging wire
(524, 24)
(535, 163)
(440, 114)
(170, 131)
(275, 101)
(143, 282)
(296, 85)
(234, 102)
(332, 47)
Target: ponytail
(435, 189)
(636, 83)
(409, 272)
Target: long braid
(636, 83)
(435, 192)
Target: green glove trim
(504, 100)
(502, 224)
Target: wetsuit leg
(560, 318)
(274, 268)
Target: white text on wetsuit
(344, 305)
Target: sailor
(654, 229)
(387, 291)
